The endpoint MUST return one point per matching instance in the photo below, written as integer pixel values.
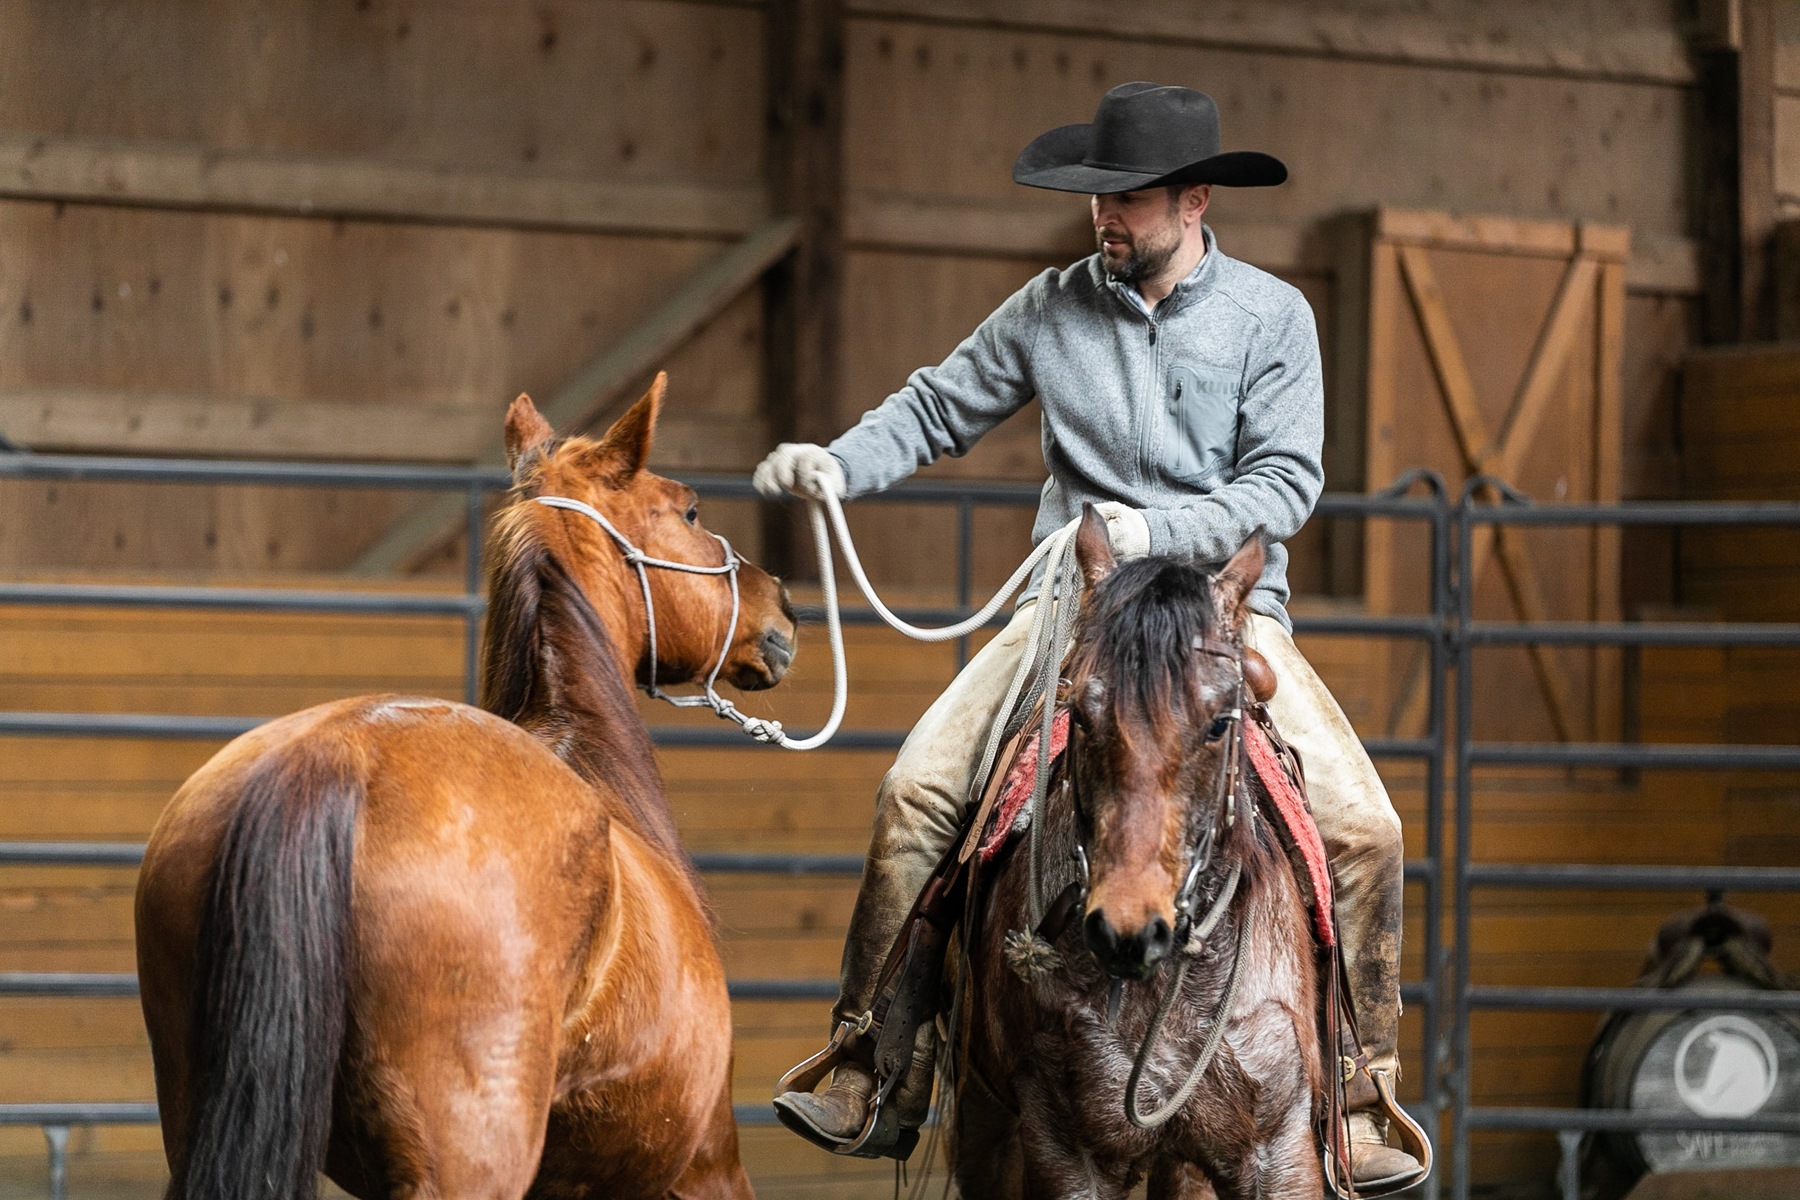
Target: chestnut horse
(443, 951)
(1151, 778)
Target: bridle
(1189, 935)
(635, 558)
(1230, 777)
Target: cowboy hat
(1143, 135)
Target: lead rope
(770, 731)
(1221, 1018)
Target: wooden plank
(1454, 381)
(939, 224)
(1736, 153)
(1385, 284)
(597, 388)
(1013, 228)
(1563, 327)
(1447, 231)
(1537, 38)
(1756, 170)
(1606, 665)
(37, 166)
(804, 46)
(308, 428)
(573, 91)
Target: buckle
(1347, 1066)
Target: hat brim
(1055, 161)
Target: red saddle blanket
(1302, 833)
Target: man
(1182, 395)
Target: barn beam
(1521, 39)
(203, 179)
(595, 392)
(1659, 263)
(805, 56)
(1735, 57)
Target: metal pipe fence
(1447, 751)
(1467, 634)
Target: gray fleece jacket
(1208, 416)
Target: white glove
(803, 469)
(1126, 529)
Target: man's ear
(1093, 548)
(626, 447)
(526, 429)
(1195, 199)
(1232, 586)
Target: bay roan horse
(443, 951)
(1153, 678)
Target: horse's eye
(1221, 724)
(692, 516)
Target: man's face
(1137, 232)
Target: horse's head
(1154, 679)
(661, 518)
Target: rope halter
(635, 558)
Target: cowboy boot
(900, 861)
(1371, 1069)
(836, 1114)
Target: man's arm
(947, 408)
(1280, 448)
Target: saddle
(909, 985)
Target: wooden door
(1494, 348)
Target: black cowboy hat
(1143, 135)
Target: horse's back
(480, 880)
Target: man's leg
(1362, 835)
(918, 810)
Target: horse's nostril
(777, 651)
(1098, 932)
(1159, 939)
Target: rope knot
(766, 731)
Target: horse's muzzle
(777, 653)
(1129, 956)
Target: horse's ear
(526, 429)
(1093, 548)
(626, 446)
(1233, 585)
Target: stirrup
(1340, 1175)
(882, 1135)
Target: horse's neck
(584, 707)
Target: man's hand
(1126, 529)
(801, 468)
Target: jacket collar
(1195, 283)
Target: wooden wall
(505, 190)
(355, 230)
(1540, 110)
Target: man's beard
(1147, 258)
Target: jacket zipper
(1152, 406)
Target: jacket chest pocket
(1202, 406)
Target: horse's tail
(270, 988)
